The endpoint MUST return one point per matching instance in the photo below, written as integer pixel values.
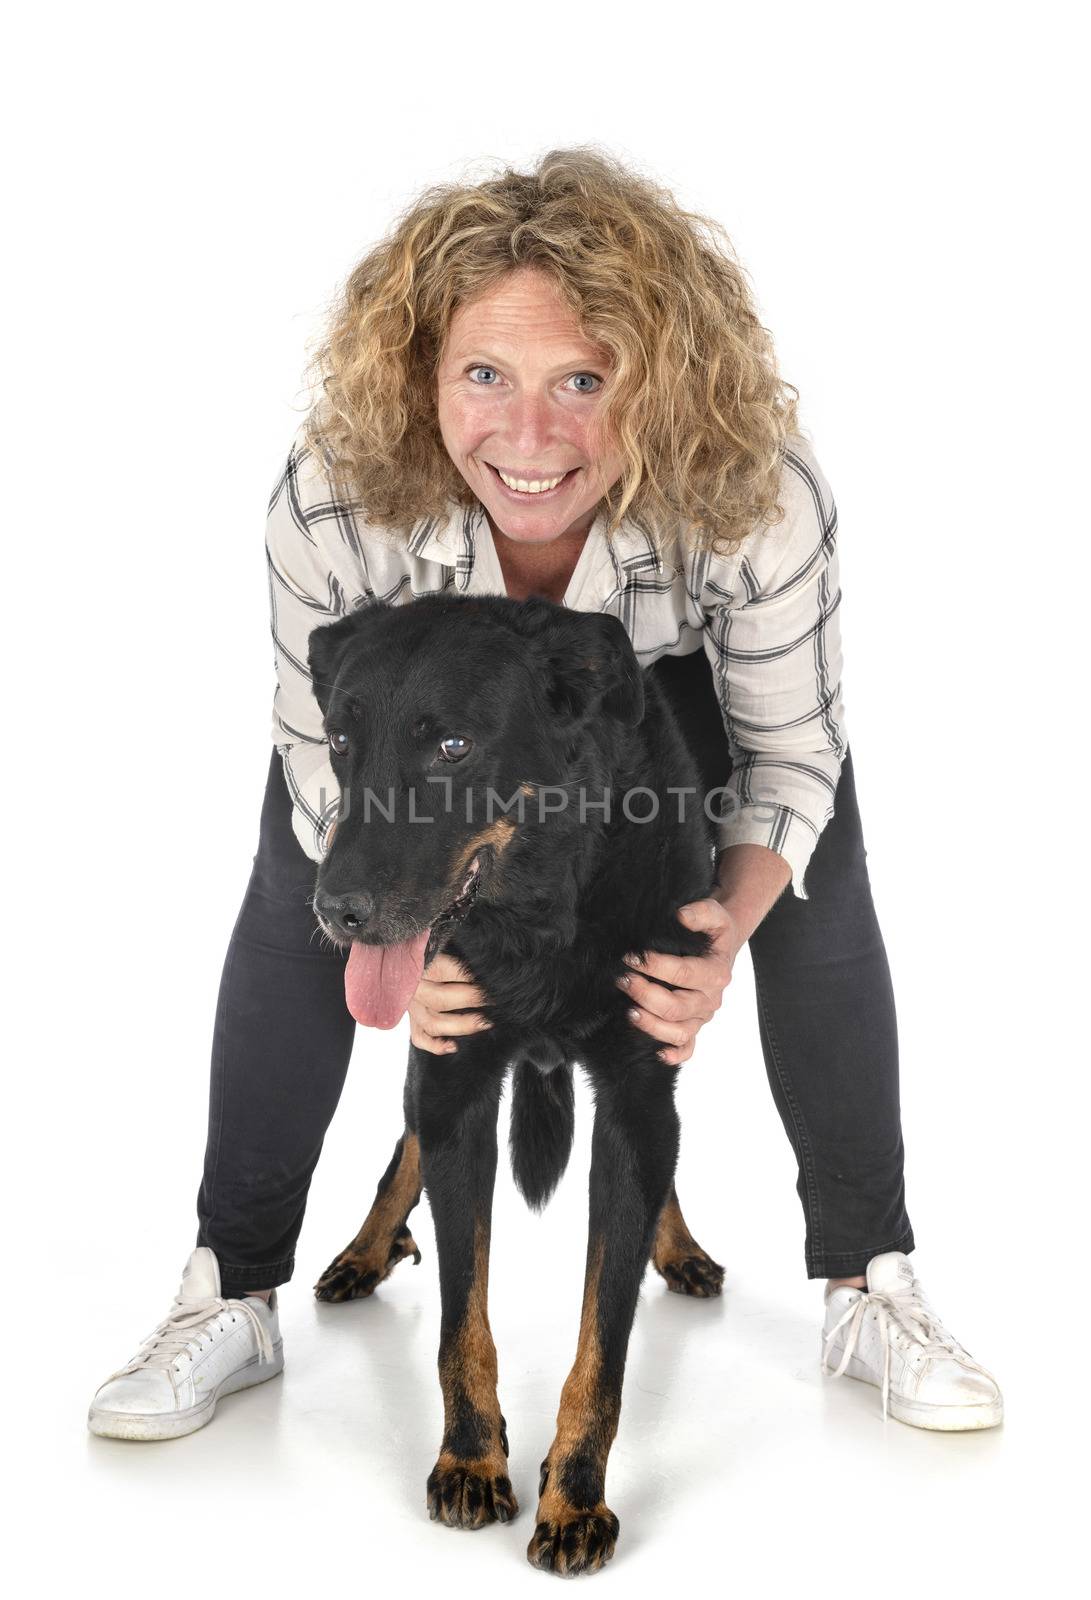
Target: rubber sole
(147, 1426)
(937, 1419)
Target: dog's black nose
(348, 913)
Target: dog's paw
(358, 1271)
(580, 1541)
(469, 1494)
(695, 1274)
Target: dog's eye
(454, 747)
(338, 741)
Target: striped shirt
(767, 619)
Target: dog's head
(440, 714)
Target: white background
(186, 190)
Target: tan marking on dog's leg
(469, 1489)
(384, 1239)
(468, 1371)
(679, 1259)
(672, 1237)
(572, 1537)
(587, 1419)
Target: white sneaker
(205, 1348)
(890, 1336)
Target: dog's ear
(327, 645)
(590, 663)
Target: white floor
(735, 1459)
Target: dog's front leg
(633, 1154)
(458, 1100)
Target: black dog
(495, 760)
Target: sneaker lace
(905, 1309)
(183, 1326)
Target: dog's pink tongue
(380, 980)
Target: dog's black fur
(550, 699)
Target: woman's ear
(327, 645)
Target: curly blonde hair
(694, 400)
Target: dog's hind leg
(384, 1239)
(458, 1102)
(633, 1153)
(679, 1259)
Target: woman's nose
(529, 430)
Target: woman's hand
(445, 988)
(677, 1017)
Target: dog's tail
(543, 1124)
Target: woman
(557, 383)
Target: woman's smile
(528, 487)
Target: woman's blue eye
(586, 383)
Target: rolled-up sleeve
(305, 592)
(772, 636)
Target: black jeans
(283, 1038)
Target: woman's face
(517, 390)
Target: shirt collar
(458, 545)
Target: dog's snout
(348, 913)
